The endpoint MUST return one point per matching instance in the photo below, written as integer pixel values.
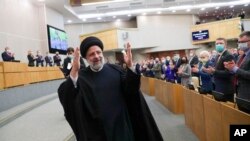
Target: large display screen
(58, 40)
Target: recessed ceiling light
(99, 18)
(173, 11)
(159, 12)
(144, 14)
(84, 20)
(188, 10)
(129, 15)
(231, 6)
(202, 9)
(69, 21)
(217, 7)
(41, 0)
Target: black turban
(89, 42)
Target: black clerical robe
(108, 106)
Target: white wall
(20, 27)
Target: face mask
(8, 51)
(168, 58)
(71, 56)
(203, 60)
(243, 47)
(219, 48)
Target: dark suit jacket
(223, 79)
(57, 60)
(31, 60)
(7, 57)
(243, 74)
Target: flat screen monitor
(58, 40)
(200, 35)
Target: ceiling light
(41, 0)
(173, 11)
(202, 9)
(217, 7)
(103, 2)
(69, 21)
(188, 10)
(99, 18)
(144, 14)
(84, 20)
(129, 15)
(231, 6)
(159, 12)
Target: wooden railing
(207, 118)
(15, 74)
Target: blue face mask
(243, 47)
(219, 48)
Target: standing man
(48, 60)
(223, 79)
(57, 59)
(193, 61)
(243, 70)
(102, 102)
(7, 55)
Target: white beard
(96, 67)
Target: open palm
(128, 55)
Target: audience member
(7, 55)
(31, 59)
(48, 60)
(206, 85)
(170, 72)
(39, 59)
(242, 70)
(223, 79)
(57, 59)
(184, 72)
(157, 68)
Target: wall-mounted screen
(58, 40)
(200, 35)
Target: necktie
(241, 60)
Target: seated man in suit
(7, 55)
(242, 71)
(223, 79)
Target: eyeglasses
(243, 41)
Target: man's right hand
(75, 64)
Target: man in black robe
(104, 103)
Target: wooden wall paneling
(188, 110)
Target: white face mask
(243, 46)
(96, 67)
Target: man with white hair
(205, 78)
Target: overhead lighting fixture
(159, 12)
(174, 8)
(41, 0)
(231, 6)
(173, 11)
(188, 10)
(217, 7)
(84, 20)
(144, 14)
(202, 9)
(99, 18)
(69, 21)
(129, 15)
(104, 2)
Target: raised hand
(76, 63)
(128, 56)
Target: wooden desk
(15, 74)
